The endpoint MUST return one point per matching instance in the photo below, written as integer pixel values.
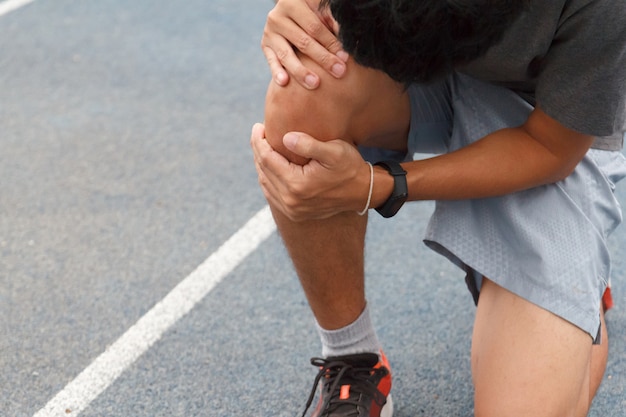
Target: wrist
(370, 189)
(383, 186)
(400, 191)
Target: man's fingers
(299, 143)
(258, 133)
(258, 130)
(311, 148)
(262, 153)
(267, 160)
(291, 27)
(279, 75)
(261, 149)
(324, 48)
(285, 64)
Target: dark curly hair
(421, 40)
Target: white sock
(357, 337)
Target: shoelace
(341, 373)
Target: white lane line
(105, 369)
(9, 5)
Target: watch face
(397, 202)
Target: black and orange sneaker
(352, 386)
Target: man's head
(421, 40)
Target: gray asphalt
(124, 163)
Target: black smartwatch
(400, 190)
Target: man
(525, 103)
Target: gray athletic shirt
(569, 58)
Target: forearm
(503, 162)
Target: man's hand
(299, 24)
(335, 180)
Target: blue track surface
(125, 163)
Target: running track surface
(140, 273)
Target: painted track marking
(106, 368)
(9, 5)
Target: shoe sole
(387, 410)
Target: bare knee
(323, 113)
(294, 108)
(362, 105)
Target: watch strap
(400, 189)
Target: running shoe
(352, 386)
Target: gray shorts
(546, 244)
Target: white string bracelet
(369, 195)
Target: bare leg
(328, 257)
(599, 356)
(328, 254)
(527, 362)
